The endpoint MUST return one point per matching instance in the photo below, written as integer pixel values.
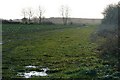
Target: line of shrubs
(13, 22)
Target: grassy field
(66, 50)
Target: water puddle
(33, 73)
(30, 66)
(0, 43)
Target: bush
(108, 31)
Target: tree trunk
(40, 20)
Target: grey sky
(11, 9)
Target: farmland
(66, 50)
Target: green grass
(66, 50)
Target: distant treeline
(9, 22)
(18, 22)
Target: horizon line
(52, 17)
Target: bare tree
(65, 14)
(24, 13)
(62, 13)
(30, 14)
(40, 13)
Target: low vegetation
(67, 50)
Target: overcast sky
(11, 9)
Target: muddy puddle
(30, 74)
